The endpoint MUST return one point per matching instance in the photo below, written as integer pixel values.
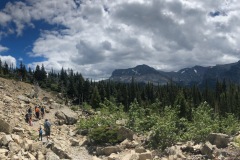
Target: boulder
(5, 126)
(26, 144)
(145, 156)
(67, 116)
(35, 146)
(18, 129)
(125, 133)
(60, 151)
(110, 149)
(51, 156)
(5, 140)
(219, 139)
(24, 99)
(207, 149)
(16, 138)
(14, 147)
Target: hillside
(19, 141)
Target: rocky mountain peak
(186, 76)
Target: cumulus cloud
(11, 61)
(99, 36)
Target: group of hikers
(39, 113)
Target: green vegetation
(166, 114)
(163, 127)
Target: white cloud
(99, 35)
(11, 61)
(2, 48)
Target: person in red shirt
(37, 112)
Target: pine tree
(95, 98)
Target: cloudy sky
(94, 37)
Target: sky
(95, 37)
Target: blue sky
(94, 37)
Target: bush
(105, 135)
(164, 132)
(203, 123)
(229, 125)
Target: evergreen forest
(167, 113)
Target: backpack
(47, 125)
(40, 131)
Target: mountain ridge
(186, 76)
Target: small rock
(74, 142)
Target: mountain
(186, 76)
(141, 73)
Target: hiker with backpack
(47, 128)
(40, 131)
(42, 111)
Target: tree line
(224, 97)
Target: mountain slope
(186, 76)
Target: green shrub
(229, 125)
(203, 123)
(164, 132)
(105, 135)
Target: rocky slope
(19, 141)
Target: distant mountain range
(186, 76)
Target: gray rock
(207, 149)
(140, 150)
(5, 140)
(125, 133)
(67, 116)
(61, 152)
(74, 142)
(145, 156)
(14, 147)
(24, 99)
(107, 150)
(5, 127)
(219, 139)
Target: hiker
(42, 111)
(27, 117)
(37, 112)
(40, 131)
(47, 128)
(30, 110)
(30, 120)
